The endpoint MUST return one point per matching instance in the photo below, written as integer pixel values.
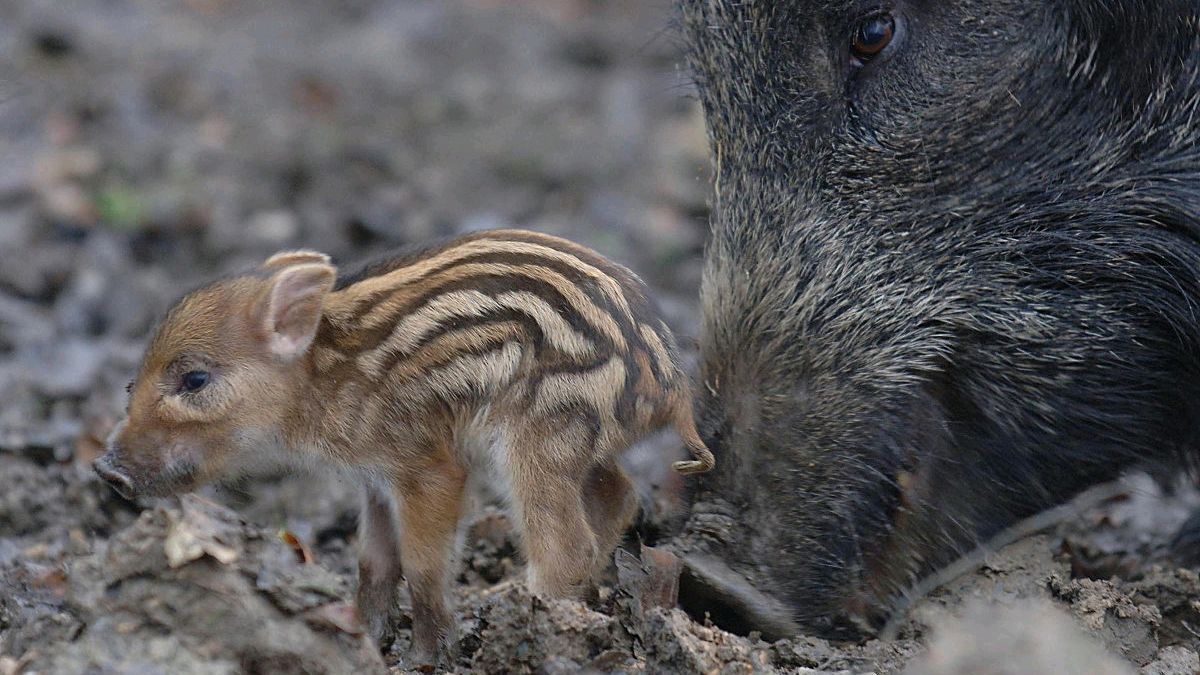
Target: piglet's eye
(194, 380)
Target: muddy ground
(149, 145)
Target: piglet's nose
(113, 476)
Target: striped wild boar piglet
(513, 355)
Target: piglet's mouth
(116, 477)
(177, 477)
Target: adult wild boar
(953, 279)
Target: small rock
(275, 228)
(676, 644)
(1025, 637)
(69, 202)
(69, 368)
(1174, 660)
(23, 323)
(65, 164)
(1109, 613)
(1174, 592)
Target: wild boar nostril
(115, 478)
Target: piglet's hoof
(381, 628)
(426, 661)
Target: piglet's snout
(107, 469)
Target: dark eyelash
(129, 387)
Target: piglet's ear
(289, 258)
(292, 310)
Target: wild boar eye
(194, 380)
(873, 35)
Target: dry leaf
(340, 616)
(303, 553)
(11, 666)
(193, 536)
(53, 580)
(652, 581)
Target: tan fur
(517, 351)
(286, 258)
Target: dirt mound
(187, 589)
(190, 586)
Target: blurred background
(151, 144)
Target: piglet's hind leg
(379, 568)
(612, 506)
(546, 471)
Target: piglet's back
(465, 317)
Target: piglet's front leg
(431, 504)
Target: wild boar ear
(292, 310)
(289, 258)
